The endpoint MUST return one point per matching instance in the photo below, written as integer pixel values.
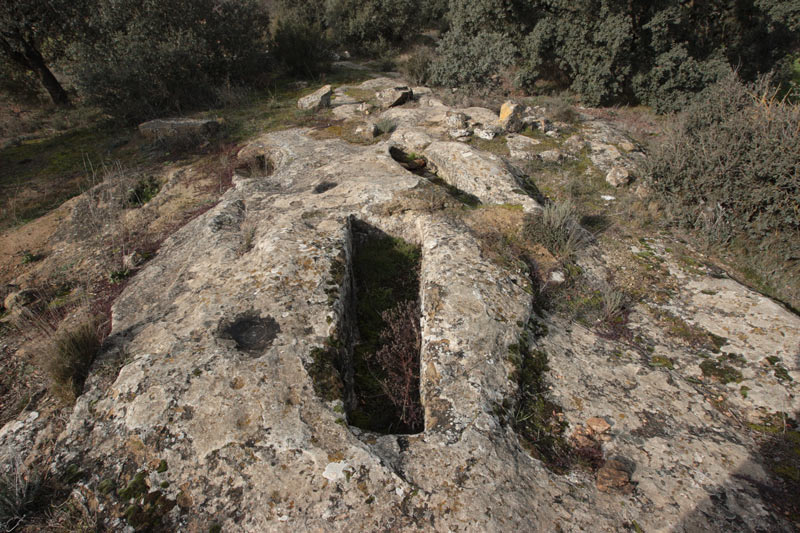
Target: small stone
(613, 476)
(537, 123)
(598, 425)
(641, 191)
(487, 132)
(133, 260)
(551, 133)
(316, 100)
(618, 176)
(556, 277)
(394, 96)
(460, 134)
(456, 121)
(370, 130)
(19, 299)
(627, 146)
(551, 156)
(510, 117)
(574, 144)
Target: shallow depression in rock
(250, 332)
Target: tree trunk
(54, 88)
(31, 59)
(49, 81)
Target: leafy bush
(148, 57)
(658, 53)
(360, 23)
(301, 46)
(466, 60)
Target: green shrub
(730, 167)
(362, 23)
(70, 357)
(480, 44)
(466, 60)
(657, 53)
(301, 46)
(142, 192)
(147, 58)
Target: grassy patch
(324, 371)
(496, 146)
(360, 95)
(661, 361)
(69, 358)
(38, 175)
(780, 371)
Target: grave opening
(385, 396)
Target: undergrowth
(69, 358)
(728, 167)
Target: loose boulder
(316, 100)
(618, 176)
(394, 96)
(179, 128)
(511, 117)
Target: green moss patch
(661, 361)
(720, 371)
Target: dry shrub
(557, 228)
(416, 68)
(71, 354)
(20, 495)
(399, 359)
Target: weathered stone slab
(316, 100)
(485, 175)
(179, 127)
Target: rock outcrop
(218, 414)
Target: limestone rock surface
(216, 404)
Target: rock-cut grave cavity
(385, 385)
(417, 164)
